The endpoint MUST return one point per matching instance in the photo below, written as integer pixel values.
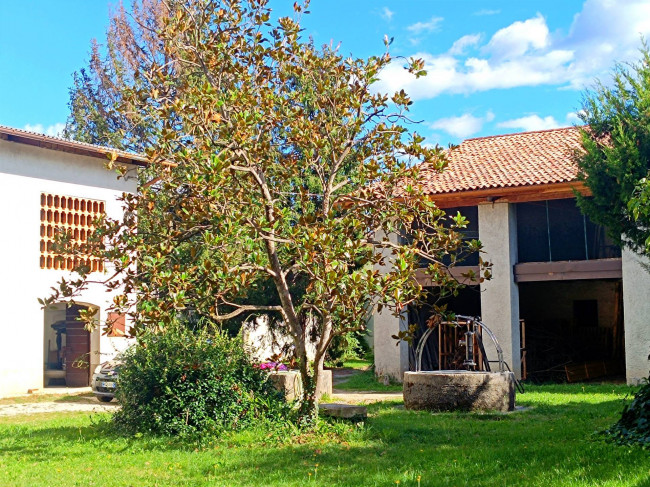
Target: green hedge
(184, 382)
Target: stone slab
(456, 390)
(344, 411)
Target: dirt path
(363, 397)
(85, 404)
(358, 397)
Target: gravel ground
(91, 406)
(87, 403)
(352, 397)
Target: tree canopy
(616, 157)
(272, 160)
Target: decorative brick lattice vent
(70, 214)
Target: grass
(365, 380)
(357, 363)
(550, 443)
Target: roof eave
(512, 194)
(45, 142)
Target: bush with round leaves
(185, 382)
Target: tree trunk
(309, 377)
(312, 384)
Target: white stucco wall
(391, 358)
(500, 296)
(26, 172)
(636, 312)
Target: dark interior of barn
(572, 327)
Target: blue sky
(494, 66)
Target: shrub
(350, 346)
(185, 382)
(634, 425)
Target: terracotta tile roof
(64, 145)
(501, 161)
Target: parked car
(104, 381)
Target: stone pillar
(500, 296)
(636, 314)
(391, 358)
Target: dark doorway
(67, 347)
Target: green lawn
(362, 378)
(549, 444)
(365, 380)
(358, 363)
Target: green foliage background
(616, 159)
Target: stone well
(454, 390)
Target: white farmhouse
(45, 183)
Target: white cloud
(573, 118)
(525, 53)
(55, 130)
(462, 126)
(606, 31)
(519, 38)
(463, 43)
(447, 74)
(535, 122)
(429, 26)
(387, 13)
(487, 12)
(530, 123)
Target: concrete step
(344, 411)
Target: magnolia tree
(272, 160)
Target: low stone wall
(454, 390)
(290, 383)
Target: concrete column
(636, 314)
(391, 358)
(497, 224)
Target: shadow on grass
(549, 444)
(552, 443)
(76, 398)
(458, 449)
(38, 443)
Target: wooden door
(77, 349)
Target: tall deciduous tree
(616, 159)
(275, 160)
(100, 113)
